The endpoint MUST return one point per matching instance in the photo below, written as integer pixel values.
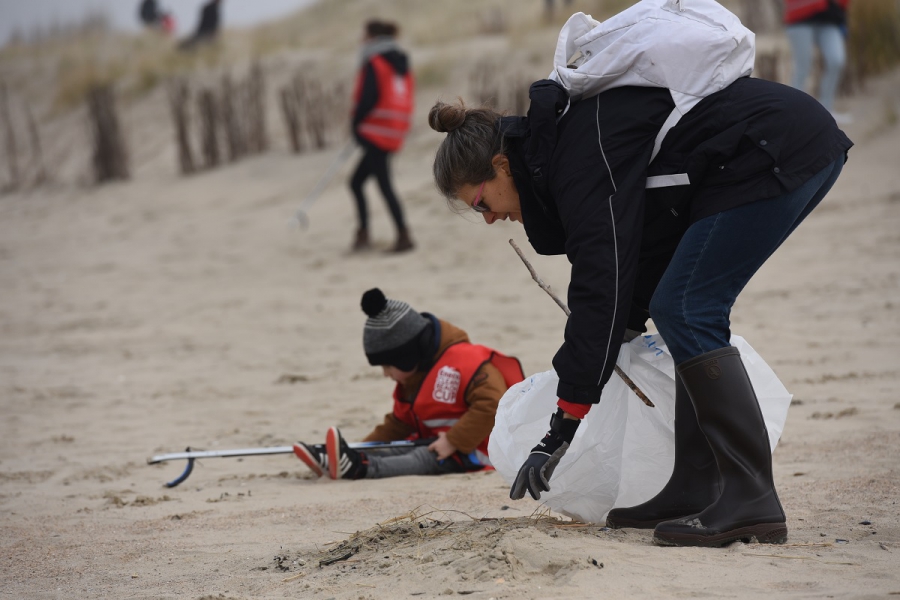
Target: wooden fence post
(12, 154)
(209, 120)
(179, 96)
(258, 141)
(110, 154)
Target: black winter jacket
(581, 185)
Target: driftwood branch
(631, 384)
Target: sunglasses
(478, 205)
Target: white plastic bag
(623, 452)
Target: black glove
(538, 468)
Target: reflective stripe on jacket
(387, 123)
(441, 400)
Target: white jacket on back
(691, 47)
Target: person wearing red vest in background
(821, 23)
(383, 105)
(447, 390)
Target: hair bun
(444, 117)
(373, 302)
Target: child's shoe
(343, 461)
(314, 455)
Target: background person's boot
(361, 241)
(694, 483)
(404, 241)
(729, 415)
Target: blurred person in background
(149, 13)
(382, 109)
(208, 28)
(153, 18)
(167, 23)
(821, 24)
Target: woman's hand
(534, 475)
(442, 447)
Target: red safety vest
(387, 123)
(441, 400)
(798, 10)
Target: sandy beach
(142, 317)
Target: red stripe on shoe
(333, 448)
(310, 460)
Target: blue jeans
(715, 259)
(830, 40)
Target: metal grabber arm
(192, 455)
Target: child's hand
(441, 446)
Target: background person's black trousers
(375, 162)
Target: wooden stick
(330, 561)
(631, 384)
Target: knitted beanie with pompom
(391, 333)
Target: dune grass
(874, 40)
(329, 33)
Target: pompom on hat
(391, 333)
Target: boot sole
(629, 523)
(764, 533)
(635, 524)
(308, 459)
(333, 448)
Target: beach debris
(291, 378)
(115, 499)
(344, 556)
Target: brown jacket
(483, 396)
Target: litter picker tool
(192, 455)
(300, 217)
(628, 381)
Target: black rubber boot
(694, 483)
(728, 414)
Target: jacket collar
(379, 45)
(530, 145)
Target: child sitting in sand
(447, 391)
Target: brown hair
(473, 139)
(376, 28)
